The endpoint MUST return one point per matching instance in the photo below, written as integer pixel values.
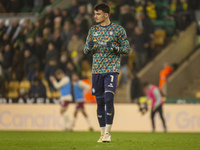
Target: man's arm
(83, 85)
(157, 94)
(124, 46)
(61, 83)
(87, 48)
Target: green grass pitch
(24, 140)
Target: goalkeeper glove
(112, 47)
(90, 45)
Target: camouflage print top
(104, 59)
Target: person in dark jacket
(37, 89)
(31, 65)
(136, 88)
(51, 63)
(7, 62)
(140, 42)
(17, 64)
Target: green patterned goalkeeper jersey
(105, 60)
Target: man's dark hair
(104, 7)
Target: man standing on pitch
(153, 93)
(106, 41)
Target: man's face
(100, 16)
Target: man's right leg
(152, 120)
(101, 115)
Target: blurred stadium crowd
(33, 51)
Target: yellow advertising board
(179, 118)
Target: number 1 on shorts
(112, 78)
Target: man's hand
(52, 78)
(112, 47)
(90, 44)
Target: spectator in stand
(31, 65)
(113, 10)
(75, 47)
(70, 68)
(63, 62)
(17, 65)
(40, 51)
(13, 30)
(184, 17)
(38, 28)
(57, 23)
(7, 62)
(73, 8)
(130, 29)
(145, 24)
(136, 88)
(37, 89)
(5, 39)
(83, 22)
(151, 10)
(48, 15)
(172, 9)
(66, 34)
(139, 7)
(164, 74)
(125, 15)
(140, 43)
(30, 31)
(51, 63)
(3, 29)
(66, 16)
(30, 45)
(2, 81)
(56, 40)
(46, 35)
(57, 12)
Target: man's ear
(106, 15)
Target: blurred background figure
(164, 74)
(140, 43)
(31, 65)
(80, 88)
(37, 90)
(153, 93)
(64, 85)
(136, 90)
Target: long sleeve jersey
(105, 60)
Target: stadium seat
(159, 24)
(45, 84)
(13, 94)
(13, 85)
(159, 37)
(56, 94)
(197, 95)
(170, 26)
(25, 84)
(49, 94)
(41, 75)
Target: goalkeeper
(106, 41)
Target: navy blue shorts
(104, 82)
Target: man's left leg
(110, 85)
(109, 101)
(162, 118)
